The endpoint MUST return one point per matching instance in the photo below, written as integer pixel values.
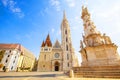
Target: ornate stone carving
(84, 40)
(81, 44)
(84, 55)
(84, 12)
(99, 49)
(107, 39)
(89, 27)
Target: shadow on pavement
(42, 76)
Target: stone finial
(84, 12)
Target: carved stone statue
(84, 12)
(81, 44)
(107, 39)
(84, 55)
(84, 40)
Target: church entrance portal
(56, 66)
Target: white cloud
(59, 32)
(56, 4)
(52, 30)
(71, 3)
(12, 5)
(28, 36)
(44, 11)
(4, 2)
(21, 15)
(108, 16)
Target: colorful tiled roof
(47, 42)
(10, 46)
(43, 44)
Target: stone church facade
(58, 57)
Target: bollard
(71, 74)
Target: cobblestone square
(41, 76)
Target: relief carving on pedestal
(100, 54)
(84, 55)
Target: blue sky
(29, 21)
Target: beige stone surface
(104, 55)
(37, 76)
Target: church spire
(66, 44)
(48, 41)
(48, 37)
(64, 14)
(43, 44)
(64, 21)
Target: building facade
(16, 58)
(58, 57)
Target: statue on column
(107, 39)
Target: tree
(1, 65)
(2, 52)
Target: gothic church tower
(44, 62)
(66, 44)
(58, 57)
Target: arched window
(6, 60)
(66, 39)
(66, 47)
(14, 61)
(8, 55)
(45, 56)
(65, 31)
(67, 56)
(11, 67)
(68, 64)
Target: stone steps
(98, 75)
(97, 72)
(101, 74)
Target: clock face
(56, 55)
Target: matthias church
(58, 57)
